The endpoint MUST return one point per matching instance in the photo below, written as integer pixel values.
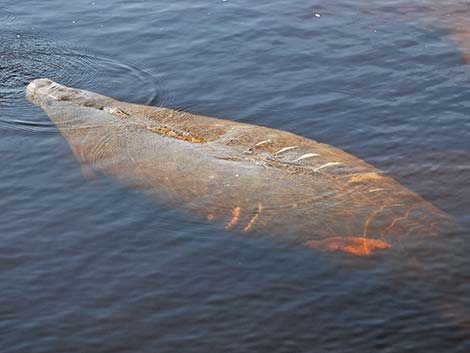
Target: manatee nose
(32, 90)
(37, 84)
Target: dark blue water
(95, 266)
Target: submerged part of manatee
(451, 17)
(24, 57)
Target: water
(97, 266)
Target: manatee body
(248, 178)
(451, 16)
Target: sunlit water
(95, 266)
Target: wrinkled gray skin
(246, 177)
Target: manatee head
(43, 90)
(74, 108)
(100, 130)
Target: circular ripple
(6, 15)
(24, 57)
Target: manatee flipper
(87, 172)
(86, 168)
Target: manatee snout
(43, 92)
(33, 88)
(38, 83)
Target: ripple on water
(6, 15)
(25, 57)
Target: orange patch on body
(210, 217)
(364, 176)
(253, 219)
(235, 217)
(359, 246)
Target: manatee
(249, 179)
(452, 17)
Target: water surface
(97, 266)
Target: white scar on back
(307, 155)
(285, 149)
(262, 143)
(250, 150)
(326, 165)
